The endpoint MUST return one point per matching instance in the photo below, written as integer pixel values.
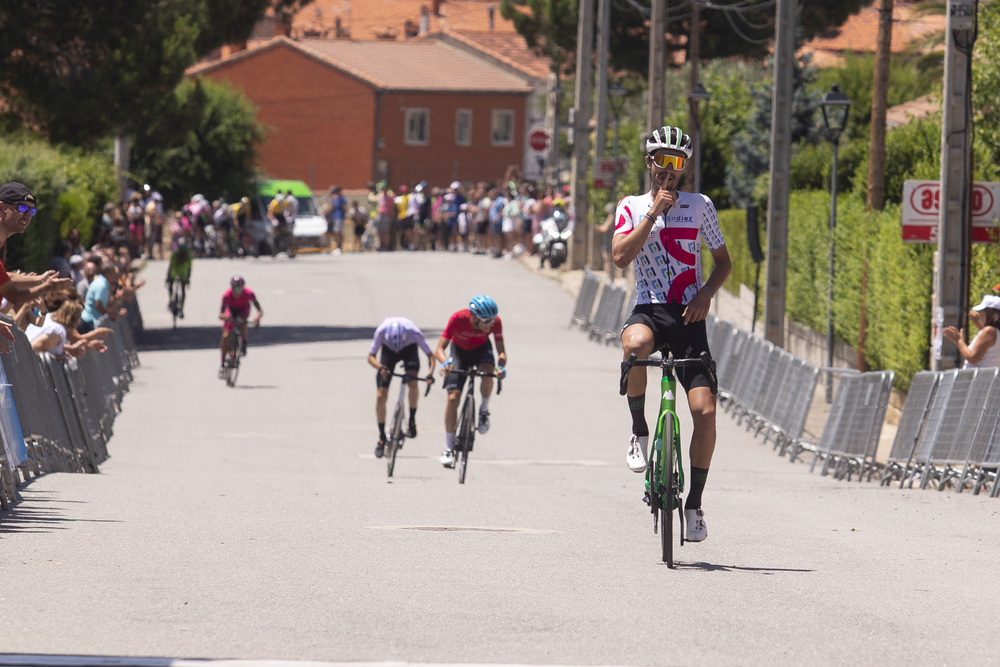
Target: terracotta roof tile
(859, 33)
(509, 48)
(917, 109)
(370, 19)
(415, 65)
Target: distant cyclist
(395, 340)
(179, 269)
(236, 302)
(468, 333)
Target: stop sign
(538, 140)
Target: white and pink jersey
(668, 268)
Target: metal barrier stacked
(63, 411)
(603, 324)
(949, 432)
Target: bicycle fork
(659, 471)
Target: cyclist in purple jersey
(396, 340)
(661, 232)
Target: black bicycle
(665, 471)
(234, 351)
(177, 294)
(397, 435)
(465, 435)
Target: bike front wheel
(395, 438)
(233, 360)
(466, 433)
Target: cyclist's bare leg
(224, 344)
(243, 330)
(486, 384)
(381, 396)
(637, 339)
(451, 411)
(414, 389)
(702, 403)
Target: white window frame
(463, 121)
(502, 127)
(412, 138)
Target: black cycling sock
(698, 478)
(381, 429)
(413, 415)
(637, 406)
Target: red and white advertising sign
(922, 206)
(604, 171)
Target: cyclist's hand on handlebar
(256, 321)
(501, 372)
(445, 367)
(383, 371)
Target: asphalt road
(254, 523)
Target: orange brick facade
(322, 125)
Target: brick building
(344, 112)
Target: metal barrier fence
(57, 415)
(614, 303)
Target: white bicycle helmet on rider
(669, 138)
(394, 334)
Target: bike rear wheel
(395, 438)
(466, 433)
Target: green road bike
(397, 434)
(665, 469)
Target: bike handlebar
(475, 372)
(429, 379)
(668, 364)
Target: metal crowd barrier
(608, 318)
(584, 309)
(62, 411)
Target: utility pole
(694, 127)
(880, 101)
(601, 94)
(951, 285)
(581, 240)
(781, 155)
(657, 63)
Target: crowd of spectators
(62, 310)
(499, 219)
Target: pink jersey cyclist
(668, 267)
(237, 305)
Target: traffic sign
(604, 171)
(538, 140)
(922, 206)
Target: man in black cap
(17, 207)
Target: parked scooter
(552, 240)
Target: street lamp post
(836, 107)
(555, 91)
(696, 95)
(617, 95)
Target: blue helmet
(483, 307)
(394, 335)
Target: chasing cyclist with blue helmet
(395, 340)
(468, 333)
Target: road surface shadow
(39, 514)
(205, 338)
(712, 567)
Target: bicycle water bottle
(658, 444)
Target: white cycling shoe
(636, 458)
(695, 528)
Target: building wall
(319, 120)
(442, 160)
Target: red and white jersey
(668, 268)
(460, 331)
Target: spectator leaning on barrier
(983, 351)
(101, 299)
(17, 207)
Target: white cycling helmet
(394, 334)
(670, 138)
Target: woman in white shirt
(983, 351)
(51, 336)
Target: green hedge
(71, 188)
(899, 282)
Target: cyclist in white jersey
(395, 340)
(661, 232)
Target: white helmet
(671, 138)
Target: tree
(203, 139)
(727, 30)
(88, 68)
